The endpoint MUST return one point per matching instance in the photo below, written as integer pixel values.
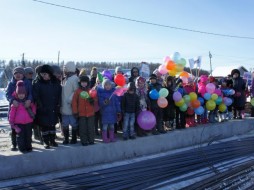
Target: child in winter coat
(190, 87)
(83, 109)
(201, 92)
(169, 111)
(225, 89)
(130, 106)
(21, 118)
(144, 102)
(110, 109)
(157, 111)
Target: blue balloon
(154, 94)
(202, 101)
(207, 96)
(218, 101)
(199, 111)
(180, 90)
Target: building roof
(223, 71)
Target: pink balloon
(218, 92)
(162, 69)
(146, 120)
(184, 79)
(210, 88)
(166, 59)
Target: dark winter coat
(108, 111)
(47, 95)
(239, 98)
(132, 77)
(156, 86)
(130, 103)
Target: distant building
(223, 71)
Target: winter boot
(66, 135)
(112, 136)
(73, 136)
(46, 141)
(52, 140)
(105, 137)
(13, 141)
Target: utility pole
(23, 60)
(58, 58)
(211, 69)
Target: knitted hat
(19, 70)
(152, 76)
(70, 67)
(105, 82)
(82, 72)
(29, 70)
(84, 79)
(118, 69)
(20, 87)
(235, 71)
(46, 69)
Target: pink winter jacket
(19, 115)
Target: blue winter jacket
(108, 111)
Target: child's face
(45, 76)
(141, 84)
(153, 81)
(108, 86)
(131, 91)
(83, 84)
(21, 96)
(18, 76)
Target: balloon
(172, 73)
(179, 103)
(227, 101)
(214, 97)
(179, 68)
(162, 69)
(195, 103)
(222, 108)
(100, 77)
(146, 120)
(163, 92)
(218, 101)
(119, 80)
(202, 101)
(210, 105)
(186, 99)
(207, 96)
(252, 101)
(180, 90)
(175, 57)
(210, 88)
(177, 96)
(193, 96)
(218, 92)
(84, 95)
(119, 91)
(184, 79)
(190, 111)
(162, 102)
(199, 111)
(182, 61)
(183, 108)
(107, 74)
(154, 94)
(231, 92)
(184, 74)
(93, 93)
(170, 65)
(166, 59)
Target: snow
(3, 100)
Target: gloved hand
(16, 128)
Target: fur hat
(38, 69)
(19, 70)
(131, 86)
(84, 79)
(46, 69)
(56, 69)
(152, 76)
(235, 71)
(20, 87)
(70, 67)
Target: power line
(145, 22)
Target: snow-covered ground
(3, 100)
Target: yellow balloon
(193, 96)
(210, 105)
(214, 97)
(222, 107)
(179, 68)
(172, 73)
(180, 103)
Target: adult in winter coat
(239, 98)
(69, 86)
(18, 74)
(47, 95)
(134, 74)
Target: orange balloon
(170, 65)
(184, 74)
(195, 103)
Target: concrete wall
(71, 157)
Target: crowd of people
(89, 106)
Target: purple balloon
(177, 96)
(146, 120)
(210, 88)
(107, 74)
